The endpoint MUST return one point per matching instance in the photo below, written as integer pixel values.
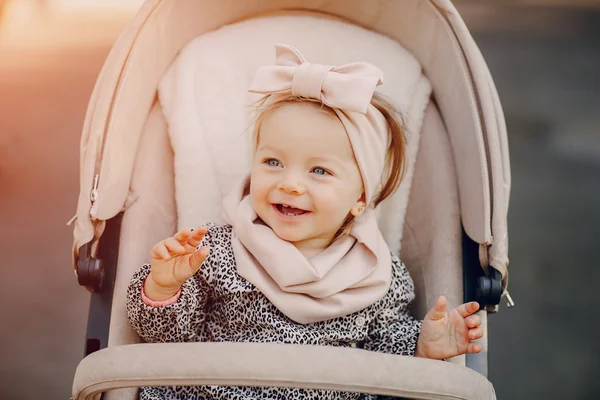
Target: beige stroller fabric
(461, 166)
(279, 365)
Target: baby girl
(301, 259)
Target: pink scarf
(354, 271)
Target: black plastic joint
(90, 270)
(489, 288)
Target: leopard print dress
(218, 305)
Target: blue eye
(272, 162)
(319, 171)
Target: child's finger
(198, 258)
(183, 235)
(464, 310)
(439, 309)
(473, 348)
(440, 304)
(174, 247)
(475, 334)
(159, 251)
(196, 236)
(473, 321)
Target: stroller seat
(168, 116)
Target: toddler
(301, 259)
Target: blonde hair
(395, 163)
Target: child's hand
(448, 334)
(174, 261)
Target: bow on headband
(348, 90)
(347, 87)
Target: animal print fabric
(218, 305)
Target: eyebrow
(335, 160)
(267, 147)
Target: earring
(358, 209)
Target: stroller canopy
(432, 30)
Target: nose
(291, 184)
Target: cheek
(337, 200)
(259, 185)
(331, 201)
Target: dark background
(545, 58)
(546, 64)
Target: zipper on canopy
(94, 198)
(95, 194)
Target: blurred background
(545, 59)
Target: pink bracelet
(157, 304)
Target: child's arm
(441, 335)
(179, 321)
(166, 300)
(394, 330)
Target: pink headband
(348, 89)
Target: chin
(289, 235)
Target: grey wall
(545, 63)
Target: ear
(358, 208)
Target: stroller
(187, 63)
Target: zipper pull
(509, 301)
(94, 198)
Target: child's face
(304, 179)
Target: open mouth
(289, 211)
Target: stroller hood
(431, 30)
